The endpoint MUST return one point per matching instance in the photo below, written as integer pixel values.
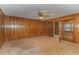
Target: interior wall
(2, 30)
(75, 18)
(76, 22)
(17, 27)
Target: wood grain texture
(1, 30)
(26, 28)
(75, 34)
(76, 22)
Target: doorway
(50, 29)
(57, 30)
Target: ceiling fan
(43, 14)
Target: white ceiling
(30, 10)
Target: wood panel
(17, 27)
(75, 34)
(1, 30)
(76, 22)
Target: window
(68, 26)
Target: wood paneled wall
(12, 28)
(17, 27)
(76, 22)
(2, 30)
(75, 18)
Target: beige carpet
(41, 45)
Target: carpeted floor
(41, 45)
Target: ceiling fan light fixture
(41, 17)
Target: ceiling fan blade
(40, 14)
